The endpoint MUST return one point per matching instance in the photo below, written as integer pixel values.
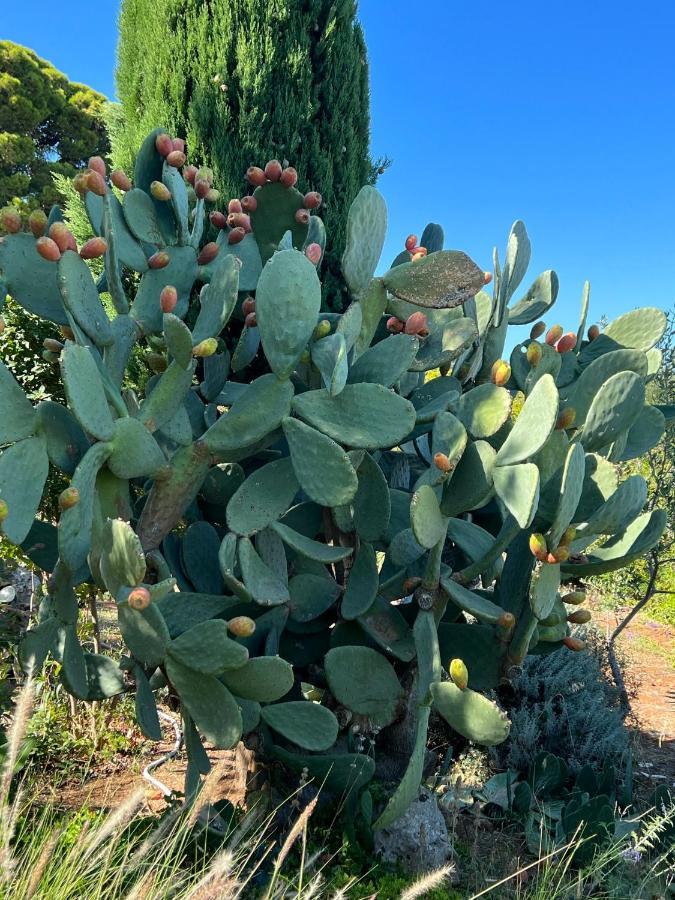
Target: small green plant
(305, 537)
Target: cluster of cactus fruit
(306, 536)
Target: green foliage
(246, 83)
(254, 474)
(47, 125)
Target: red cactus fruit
(178, 144)
(37, 222)
(52, 345)
(573, 643)
(537, 330)
(218, 219)
(201, 188)
(139, 599)
(176, 159)
(416, 323)
(68, 498)
(159, 260)
(67, 332)
(208, 253)
(411, 242)
(538, 547)
(560, 554)
(442, 462)
(553, 335)
(94, 248)
(312, 200)
(97, 164)
(251, 320)
(302, 216)
(61, 235)
(96, 183)
(395, 325)
(239, 220)
(487, 277)
(314, 253)
(289, 177)
(164, 144)
(273, 170)
(189, 174)
(234, 206)
(10, 220)
(566, 418)
(249, 204)
(168, 298)
(236, 236)
(418, 253)
(121, 180)
(593, 332)
(256, 176)
(48, 249)
(248, 306)
(567, 342)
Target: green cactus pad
(217, 300)
(37, 644)
(122, 558)
(181, 272)
(387, 627)
(479, 607)
(274, 216)
(533, 426)
(30, 279)
(644, 434)
(600, 482)
(428, 523)
(372, 503)
(183, 610)
(174, 181)
(146, 707)
(18, 419)
(373, 304)
(148, 168)
(350, 323)
(571, 488)
(409, 785)
(363, 415)
(127, 248)
(199, 553)
(639, 537)
(537, 301)
(479, 648)
(260, 409)
(85, 392)
(135, 452)
(144, 632)
(81, 298)
(309, 548)
(342, 773)
(445, 343)
(170, 390)
(322, 467)
(449, 437)
(366, 230)
(362, 584)
(247, 253)
(265, 586)
(263, 498)
(265, 679)
(329, 355)
(484, 410)
(139, 214)
(308, 725)
(518, 489)
(441, 280)
(404, 550)
(23, 471)
(470, 714)
(581, 393)
(544, 589)
(640, 329)
(311, 595)
(212, 707)
(207, 648)
(472, 481)
(620, 508)
(66, 441)
(615, 408)
(178, 338)
(365, 682)
(385, 362)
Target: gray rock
(418, 840)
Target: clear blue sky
(561, 114)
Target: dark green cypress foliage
(246, 81)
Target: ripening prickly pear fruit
(160, 191)
(553, 335)
(566, 343)
(580, 617)
(62, 237)
(121, 180)
(205, 348)
(48, 249)
(159, 260)
(241, 626)
(139, 599)
(507, 620)
(534, 354)
(234, 206)
(566, 418)
(37, 222)
(573, 643)
(313, 253)
(4, 510)
(168, 298)
(256, 176)
(501, 372)
(208, 253)
(213, 196)
(176, 159)
(322, 329)
(96, 183)
(560, 554)
(395, 325)
(537, 330)
(248, 306)
(305, 357)
(67, 332)
(156, 362)
(50, 357)
(52, 345)
(538, 546)
(97, 164)
(239, 220)
(68, 498)
(164, 144)
(593, 332)
(10, 220)
(94, 248)
(568, 536)
(201, 188)
(442, 462)
(218, 219)
(419, 253)
(416, 323)
(302, 216)
(411, 242)
(236, 236)
(273, 170)
(80, 183)
(289, 177)
(575, 598)
(459, 673)
(189, 174)
(249, 204)
(312, 200)
(251, 320)
(487, 277)
(178, 144)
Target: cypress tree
(246, 81)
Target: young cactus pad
(284, 499)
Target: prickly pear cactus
(299, 523)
